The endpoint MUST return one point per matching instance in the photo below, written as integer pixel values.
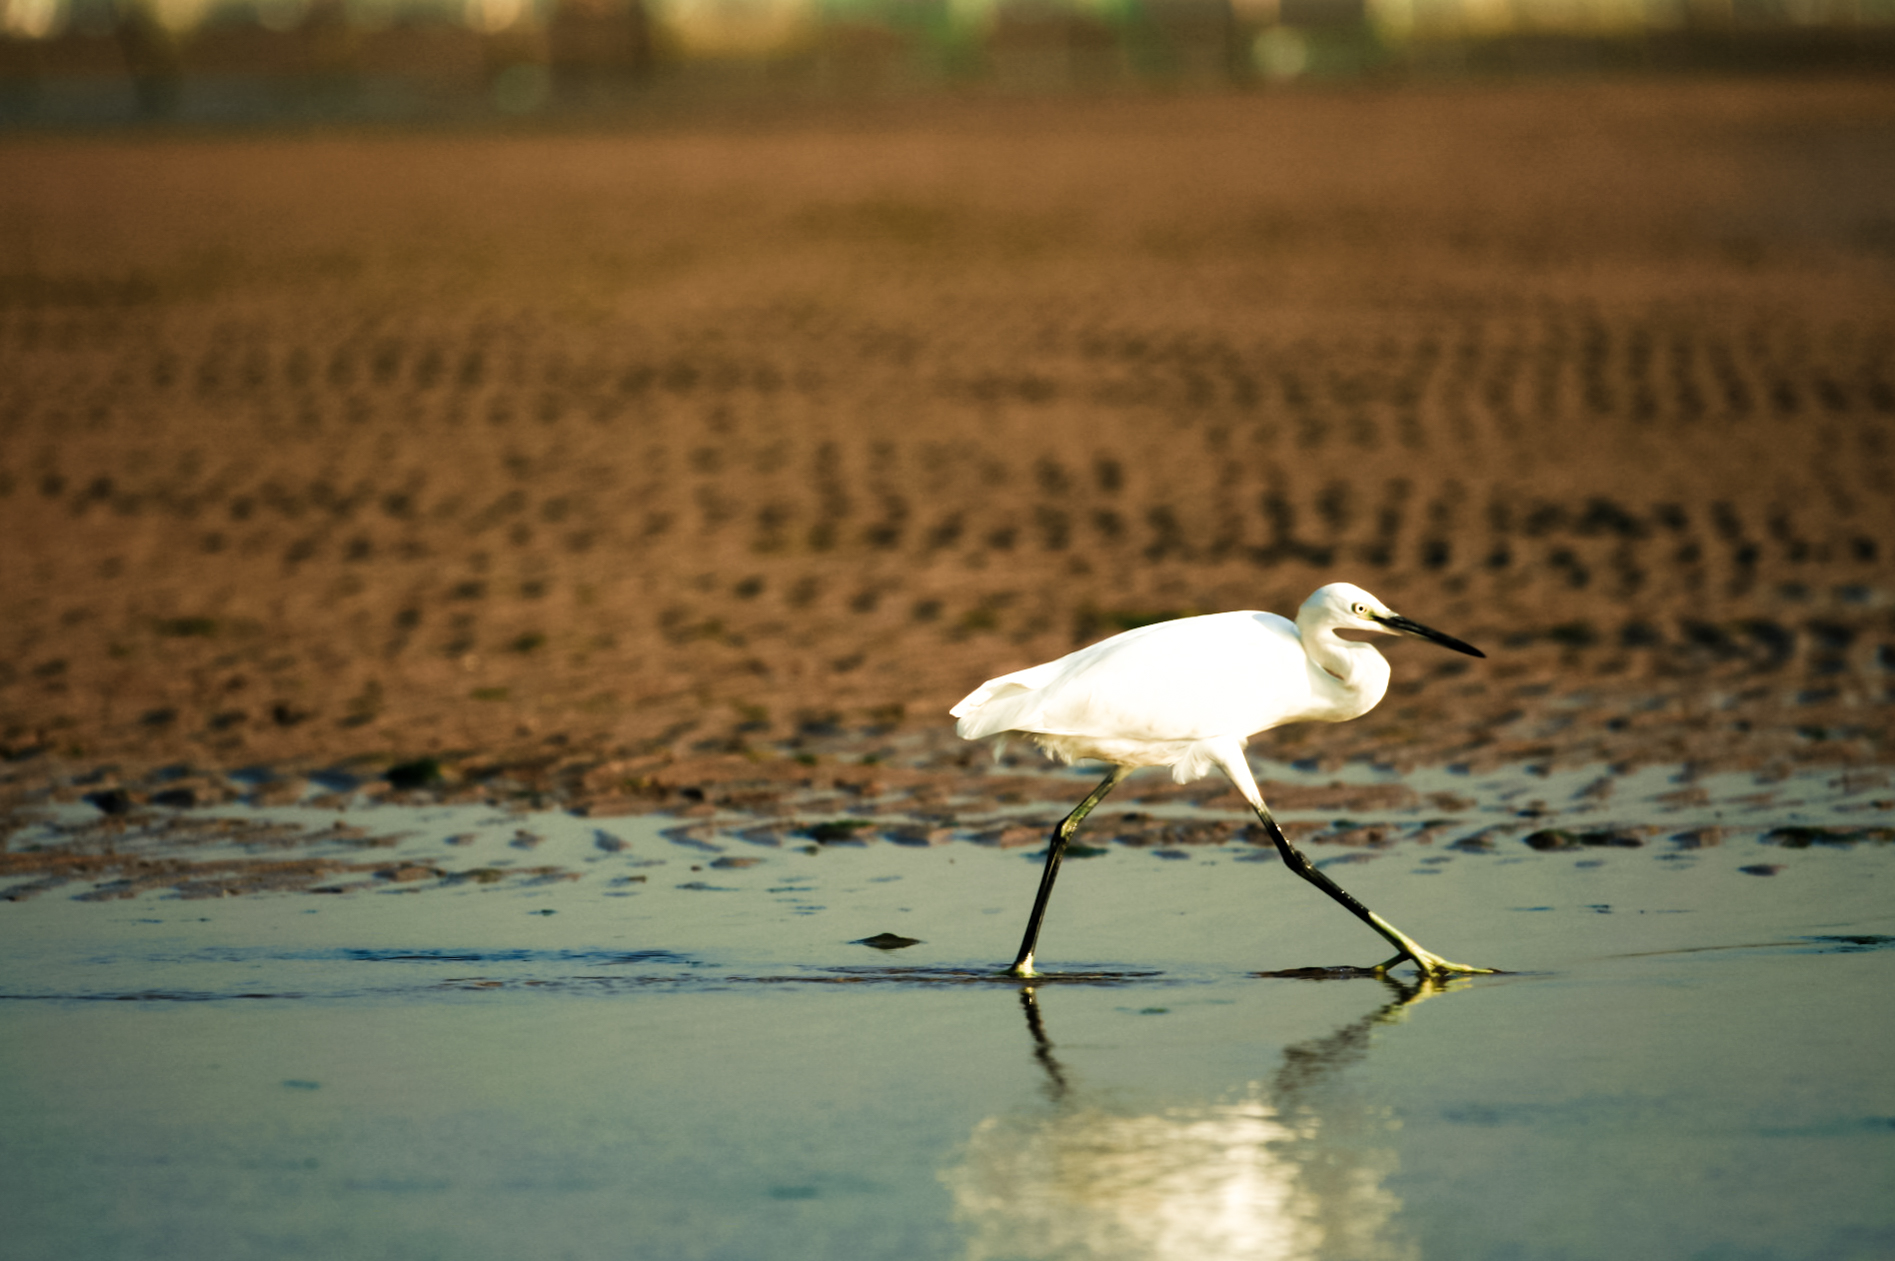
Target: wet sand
(337, 834)
(601, 465)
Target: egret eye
(1359, 609)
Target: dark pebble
(887, 941)
(111, 801)
(416, 774)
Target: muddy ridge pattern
(585, 450)
(702, 820)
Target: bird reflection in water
(1292, 1169)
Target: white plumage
(1188, 694)
(1148, 697)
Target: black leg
(1425, 960)
(1055, 850)
(1296, 861)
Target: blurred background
(102, 61)
(594, 379)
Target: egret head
(1345, 606)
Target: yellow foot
(1426, 961)
(1023, 968)
(1429, 963)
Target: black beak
(1396, 622)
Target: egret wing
(1227, 674)
(995, 705)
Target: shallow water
(1686, 1058)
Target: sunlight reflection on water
(1290, 1169)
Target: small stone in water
(887, 941)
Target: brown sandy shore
(604, 467)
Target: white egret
(1189, 694)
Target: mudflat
(532, 568)
(603, 454)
